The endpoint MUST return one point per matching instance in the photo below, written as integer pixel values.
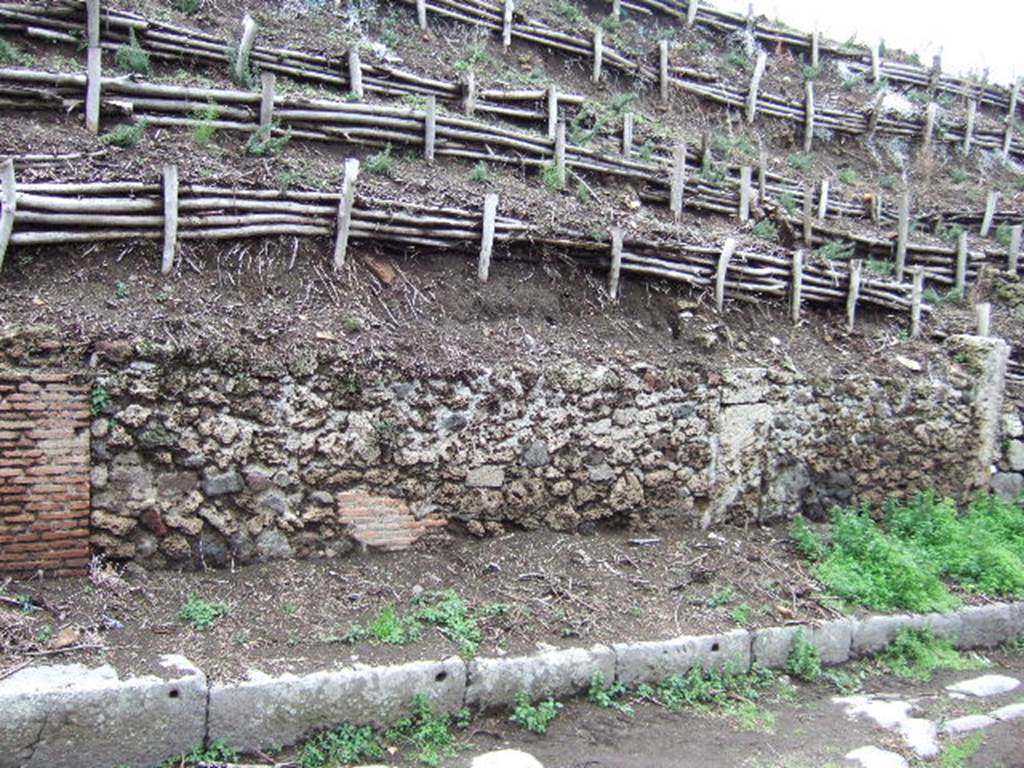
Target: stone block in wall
(832, 640)
(655, 661)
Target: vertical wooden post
(807, 221)
(853, 293)
(678, 183)
(876, 207)
(598, 53)
(960, 280)
(94, 66)
(876, 64)
(990, 211)
(355, 73)
(9, 208)
(902, 234)
(933, 81)
(506, 24)
(929, 122)
(552, 109)
(348, 193)
(815, 47)
(627, 134)
(170, 218)
(797, 286)
(483, 269)
(875, 113)
(762, 172)
(430, 128)
(663, 69)
(746, 173)
(469, 94)
(242, 69)
(723, 267)
(972, 110)
(823, 200)
(421, 14)
(616, 268)
(560, 153)
(1011, 118)
(916, 289)
(1013, 254)
(983, 318)
(755, 84)
(617, 9)
(268, 81)
(809, 117)
(691, 12)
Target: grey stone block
(563, 673)
(876, 632)
(278, 711)
(987, 626)
(831, 639)
(72, 716)
(652, 662)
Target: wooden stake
(815, 48)
(627, 134)
(613, 274)
(483, 269)
(560, 153)
(809, 117)
(170, 218)
(663, 69)
(355, 73)
(10, 206)
(598, 53)
(268, 80)
(1014, 251)
(92, 23)
(469, 94)
(430, 128)
(746, 173)
(348, 193)
(876, 64)
(552, 109)
(972, 109)
(929, 122)
(902, 234)
(242, 71)
(678, 183)
(691, 12)
(876, 207)
(762, 171)
(755, 84)
(506, 24)
(93, 78)
(823, 200)
(421, 14)
(617, 9)
(960, 279)
(983, 318)
(797, 286)
(853, 293)
(808, 223)
(1011, 118)
(916, 289)
(723, 267)
(990, 211)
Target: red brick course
(44, 473)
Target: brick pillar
(44, 473)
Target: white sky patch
(984, 33)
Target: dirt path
(813, 731)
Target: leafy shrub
(534, 717)
(390, 628)
(480, 173)
(132, 57)
(381, 162)
(915, 653)
(806, 540)
(447, 611)
(342, 746)
(126, 135)
(428, 733)
(569, 10)
(201, 614)
(803, 660)
(812, 72)
(701, 687)
(607, 696)
(788, 202)
(262, 142)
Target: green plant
(803, 660)
(476, 56)
(919, 97)
(9, 53)
(916, 653)
(448, 612)
(932, 296)
(1004, 233)
(735, 57)
(806, 540)
(132, 57)
(766, 230)
(204, 132)
(188, 7)
(800, 162)
(352, 325)
(344, 745)
(719, 598)
(704, 688)
(121, 290)
(429, 734)
(534, 717)
(386, 433)
(382, 162)
(950, 233)
(553, 177)
(263, 143)
(98, 400)
(848, 176)
(788, 202)
(887, 182)
(812, 72)
(742, 614)
(241, 70)
(607, 696)
(217, 752)
(955, 754)
(391, 629)
(45, 633)
(836, 250)
(126, 135)
(879, 267)
(844, 681)
(569, 10)
(202, 614)
(480, 173)
(957, 175)
(582, 194)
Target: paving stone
(652, 662)
(873, 757)
(560, 674)
(73, 716)
(1009, 712)
(506, 758)
(968, 723)
(986, 685)
(987, 626)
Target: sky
(987, 33)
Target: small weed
(351, 325)
(742, 614)
(217, 752)
(610, 24)
(918, 97)
(447, 611)
(788, 202)
(391, 629)
(646, 153)
(121, 290)
(752, 717)
(476, 57)
(719, 598)
(534, 717)
(126, 135)
(203, 133)
(957, 175)
(916, 653)
(879, 267)
(188, 7)
(480, 173)
(848, 176)
(703, 688)
(569, 10)
(812, 72)
(381, 163)
(607, 696)
(956, 754)
(949, 233)
(766, 230)
(201, 614)
(386, 434)
(887, 182)
(806, 540)
(98, 400)
(9, 53)
(1004, 233)
(582, 194)
(937, 298)
(345, 745)
(553, 178)
(263, 143)
(735, 58)
(243, 73)
(843, 681)
(800, 162)
(836, 250)
(132, 57)
(45, 633)
(427, 733)
(803, 660)
(712, 172)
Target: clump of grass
(345, 745)
(381, 163)
(1004, 233)
(735, 58)
(766, 230)
(476, 56)
(202, 614)
(742, 614)
(887, 182)
(9, 53)
(263, 143)
(880, 267)
(848, 176)
(583, 194)
(132, 57)
(916, 653)
(800, 162)
(448, 612)
(788, 202)
(956, 753)
(803, 660)
(812, 72)
(391, 629)
(957, 175)
(608, 696)
(836, 250)
(950, 233)
(217, 752)
(126, 135)
(553, 178)
(188, 7)
(534, 717)
(203, 133)
(569, 10)
(480, 173)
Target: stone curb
(74, 717)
